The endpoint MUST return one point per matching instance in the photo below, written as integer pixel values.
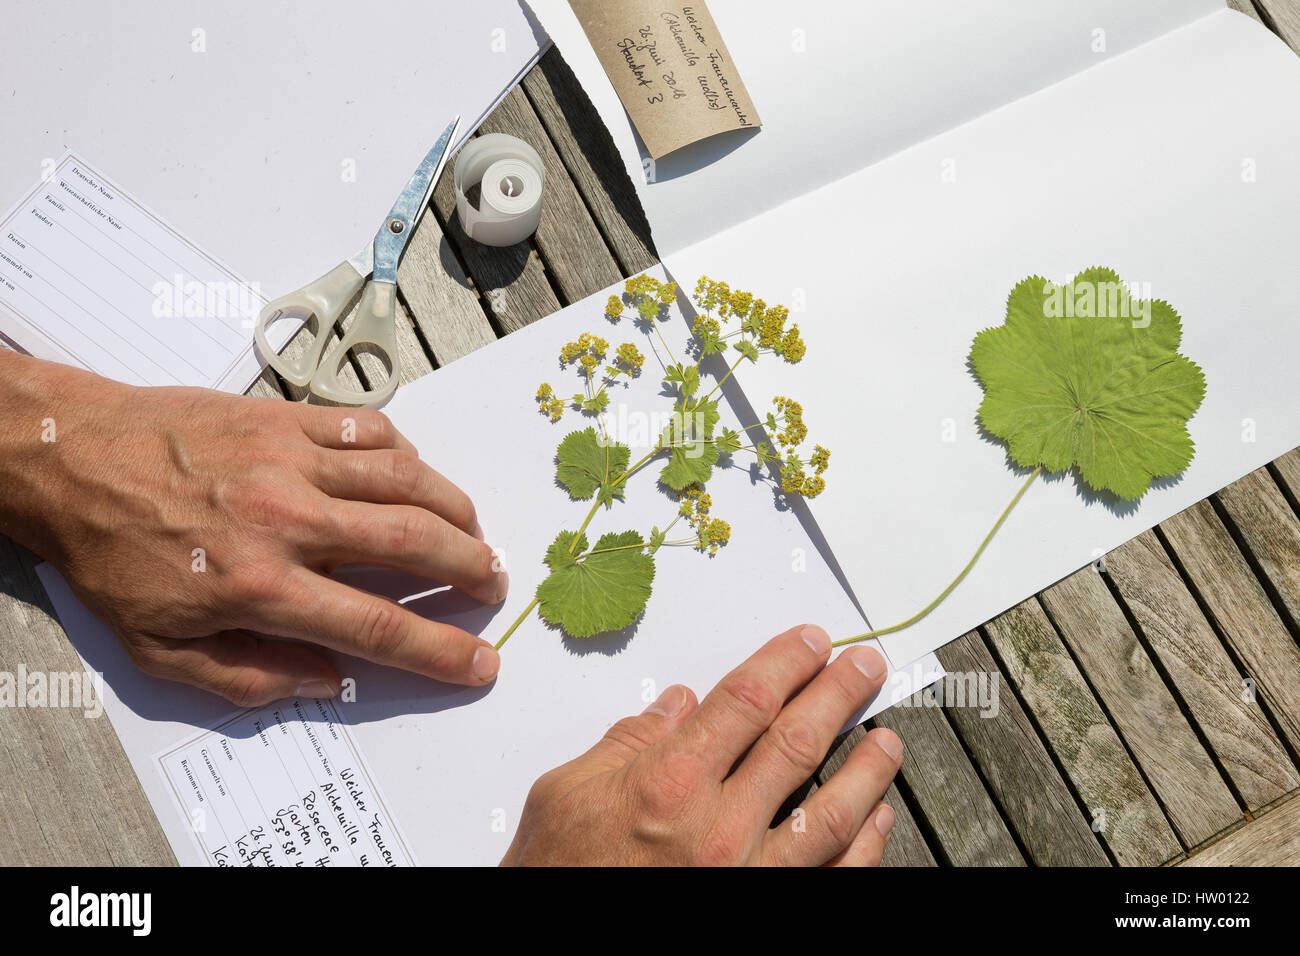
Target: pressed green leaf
(686, 377)
(657, 539)
(728, 442)
(582, 464)
(694, 419)
(604, 591)
(1082, 375)
(689, 464)
(597, 403)
(564, 549)
(748, 349)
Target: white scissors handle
(373, 330)
(319, 303)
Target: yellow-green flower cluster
(548, 403)
(710, 532)
(796, 477)
(614, 307)
(588, 352)
(642, 285)
(628, 359)
(705, 326)
(793, 429)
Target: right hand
(699, 784)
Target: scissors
(374, 329)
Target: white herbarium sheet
(454, 764)
(1143, 137)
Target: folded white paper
(1166, 162)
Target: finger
(791, 750)
(868, 846)
(393, 477)
(245, 669)
(350, 428)
(410, 539)
(833, 817)
(315, 608)
(746, 701)
(633, 735)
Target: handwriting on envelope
(670, 68)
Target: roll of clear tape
(510, 176)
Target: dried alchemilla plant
(595, 588)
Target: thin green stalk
(956, 581)
(519, 620)
(724, 378)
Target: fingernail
(486, 663)
(888, 741)
(869, 661)
(315, 689)
(816, 638)
(669, 703)
(885, 819)
(503, 585)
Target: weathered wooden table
(1148, 713)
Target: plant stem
(955, 581)
(519, 620)
(724, 378)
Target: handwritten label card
(283, 785)
(670, 68)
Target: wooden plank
(1246, 7)
(1123, 810)
(1204, 675)
(1240, 611)
(946, 790)
(1165, 746)
(101, 816)
(1019, 771)
(1283, 18)
(592, 160)
(1287, 472)
(1270, 532)
(567, 239)
(906, 846)
(1272, 839)
(440, 298)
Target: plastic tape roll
(510, 175)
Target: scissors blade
(391, 239)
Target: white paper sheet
(841, 85)
(1168, 165)
(91, 277)
(282, 785)
(277, 135)
(455, 764)
(1166, 162)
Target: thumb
(632, 735)
(245, 669)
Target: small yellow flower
(629, 358)
(773, 326)
(792, 346)
(614, 307)
(821, 458)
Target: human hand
(187, 519)
(699, 784)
